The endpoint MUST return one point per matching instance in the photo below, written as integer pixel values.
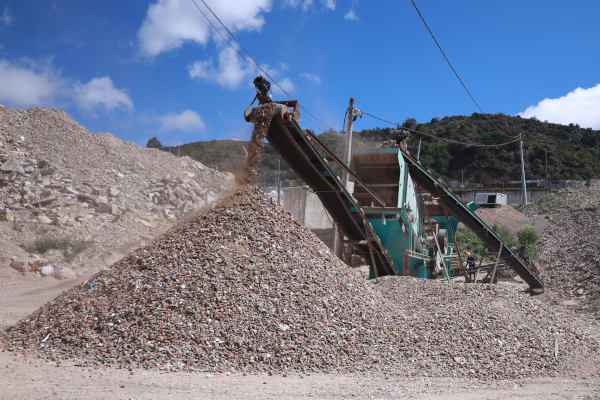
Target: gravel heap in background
(573, 196)
(246, 287)
(59, 178)
(63, 164)
(571, 258)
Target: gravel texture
(570, 258)
(573, 196)
(245, 287)
(93, 188)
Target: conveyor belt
(296, 149)
(464, 214)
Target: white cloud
(171, 23)
(232, 71)
(186, 121)
(312, 78)
(308, 4)
(6, 19)
(30, 83)
(351, 15)
(581, 106)
(286, 84)
(101, 93)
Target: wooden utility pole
(348, 144)
(524, 182)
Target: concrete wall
(306, 208)
(513, 196)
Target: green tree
(529, 235)
(154, 143)
(409, 123)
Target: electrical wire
(456, 73)
(441, 138)
(253, 62)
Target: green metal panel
(395, 240)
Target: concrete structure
(306, 207)
(490, 199)
(512, 196)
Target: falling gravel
(263, 115)
(245, 287)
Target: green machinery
(400, 217)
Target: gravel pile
(571, 258)
(245, 287)
(90, 187)
(481, 330)
(573, 196)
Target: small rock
(47, 171)
(64, 274)
(113, 192)
(12, 165)
(44, 220)
(103, 208)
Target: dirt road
(29, 377)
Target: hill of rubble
(73, 201)
(245, 287)
(573, 196)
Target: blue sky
(139, 69)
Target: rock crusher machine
(400, 218)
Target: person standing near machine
(471, 264)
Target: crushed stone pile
(570, 258)
(92, 187)
(48, 159)
(573, 196)
(245, 287)
(482, 330)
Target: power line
(441, 138)
(253, 62)
(456, 73)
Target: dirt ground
(503, 215)
(27, 376)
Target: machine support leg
(434, 234)
(462, 266)
(373, 260)
(347, 258)
(496, 266)
(480, 262)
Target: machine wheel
(442, 239)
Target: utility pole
(546, 157)
(419, 151)
(524, 183)
(279, 183)
(348, 144)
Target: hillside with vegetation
(573, 152)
